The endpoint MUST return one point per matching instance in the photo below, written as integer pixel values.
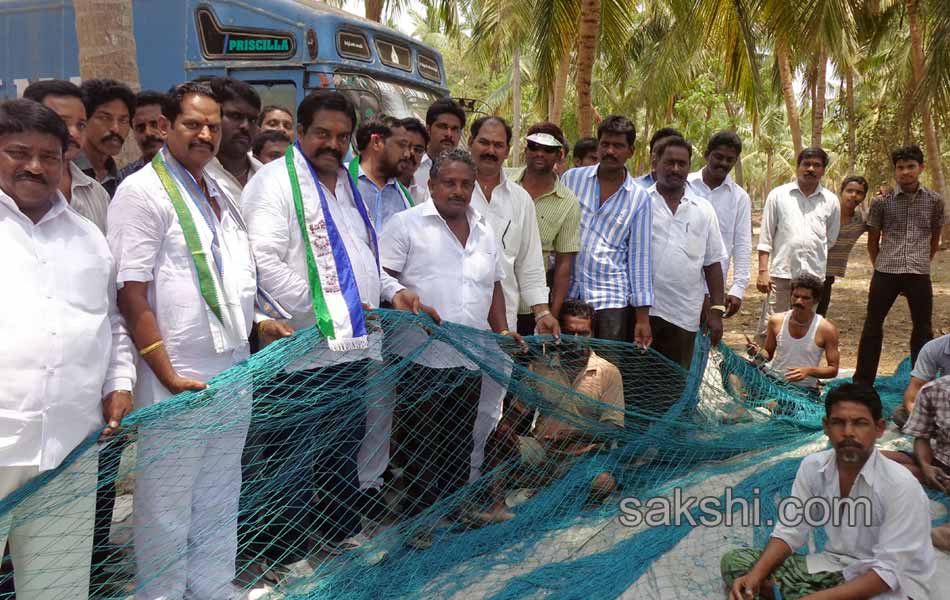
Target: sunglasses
(533, 147)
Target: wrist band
(718, 307)
(151, 347)
(541, 315)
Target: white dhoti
(50, 532)
(373, 456)
(187, 486)
(490, 405)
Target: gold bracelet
(718, 307)
(151, 347)
(504, 332)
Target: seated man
(882, 552)
(565, 429)
(796, 339)
(932, 363)
(930, 420)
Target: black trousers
(438, 410)
(300, 461)
(825, 296)
(673, 342)
(885, 287)
(614, 324)
(109, 459)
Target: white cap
(545, 139)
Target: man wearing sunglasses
(558, 214)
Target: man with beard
(240, 105)
(614, 267)
(83, 193)
(418, 142)
(382, 150)
(687, 254)
(558, 213)
(110, 106)
(800, 222)
(733, 211)
(444, 120)
(67, 361)
(306, 210)
(148, 127)
(187, 289)
(796, 340)
(875, 514)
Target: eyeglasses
(533, 147)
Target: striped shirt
(614, 267)
(848, 236)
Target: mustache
(455, 198)
(27, 176)
(802, 306)
(330, 151)
(153, 140)
(488, 157)
(73, 143)
(197, 143)
(113, 137)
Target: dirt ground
(848, 308)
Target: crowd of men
(240, 224)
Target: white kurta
(186, 494)
(65, 343)
(280, 250)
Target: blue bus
(285, 48)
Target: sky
(403, 21)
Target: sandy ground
(848, 308)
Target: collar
(629, 184)
(59, 206)
(689, 196)
(210, 183)
(560, 190)
(698, 176)
(79, 178)
(389, 182)
(946, 346)
(428, 209)
(425, 160)
(868, 471)
(85, 166)
(898, 191)
(819, 191)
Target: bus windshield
(374, 96)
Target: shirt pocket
(693, 243)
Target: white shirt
(421, 178)
(683, 244)
(512, 217)
(65, 345)
(457, 282)
(268, 208)
(896, 546)
(88, 197)
(798, 231)
(734, 213)
(228, 182)
(147, 241)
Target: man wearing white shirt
(83, 193)
(444, 120)
(733, 211)
(418, 142)
(879, 547)
(687, 252)
(176, 234)
(234, 164)
(800, 222)
(443, 252)
(66, 360)
(320, 488)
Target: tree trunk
(560, 87)
(587, 38)
(768, 175)
(849, 107)
(516, 105)
(374, 10)
(791, 105)
(818, 106)
(106, 37)
(731, 112)
(930, 133)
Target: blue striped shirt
(614, 267)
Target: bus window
(373, 96)
(279, 93)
